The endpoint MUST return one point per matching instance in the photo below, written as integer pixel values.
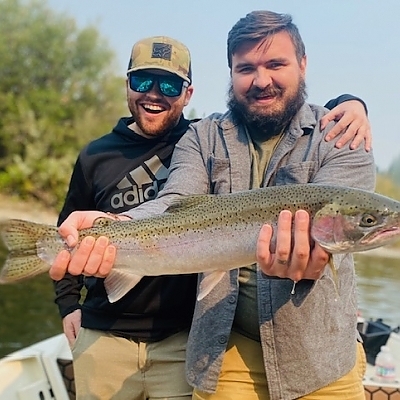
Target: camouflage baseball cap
(161, 52)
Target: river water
(28, 313)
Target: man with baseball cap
(134, 348)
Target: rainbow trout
(210, 233)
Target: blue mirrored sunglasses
(142, 82)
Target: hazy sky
(353, 46)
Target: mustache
(269, 91)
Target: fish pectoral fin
(118, 283)
(208, 283)
(334, 272)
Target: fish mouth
(384, 235)
(368, 242)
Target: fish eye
(368, 220)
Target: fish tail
(22, 240)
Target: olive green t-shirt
(246, 316)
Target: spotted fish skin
(208, 233)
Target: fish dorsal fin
(118, 283)
(187, 202)
(208, 283)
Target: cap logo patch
(162, 50)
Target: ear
(188, 94)
(303, 65)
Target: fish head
(356, 221)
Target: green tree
(387, 186)
(192, 114)
(58, 90)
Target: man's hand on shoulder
(352, 121)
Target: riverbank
(11, 207)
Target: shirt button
(222, 339)
(232, 299)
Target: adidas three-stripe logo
(141, 184)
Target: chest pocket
(220, 177)
(303, 172)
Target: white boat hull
(34, 373)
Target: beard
(264, 123)
(156, 127)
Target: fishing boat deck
(44, 371)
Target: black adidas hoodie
(115, 173)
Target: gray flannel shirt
(308, 339)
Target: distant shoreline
(11, 207)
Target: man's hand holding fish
(305, 261)
(93, 257)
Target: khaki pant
(241, 380)
(108, 367)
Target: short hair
(259, 25)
